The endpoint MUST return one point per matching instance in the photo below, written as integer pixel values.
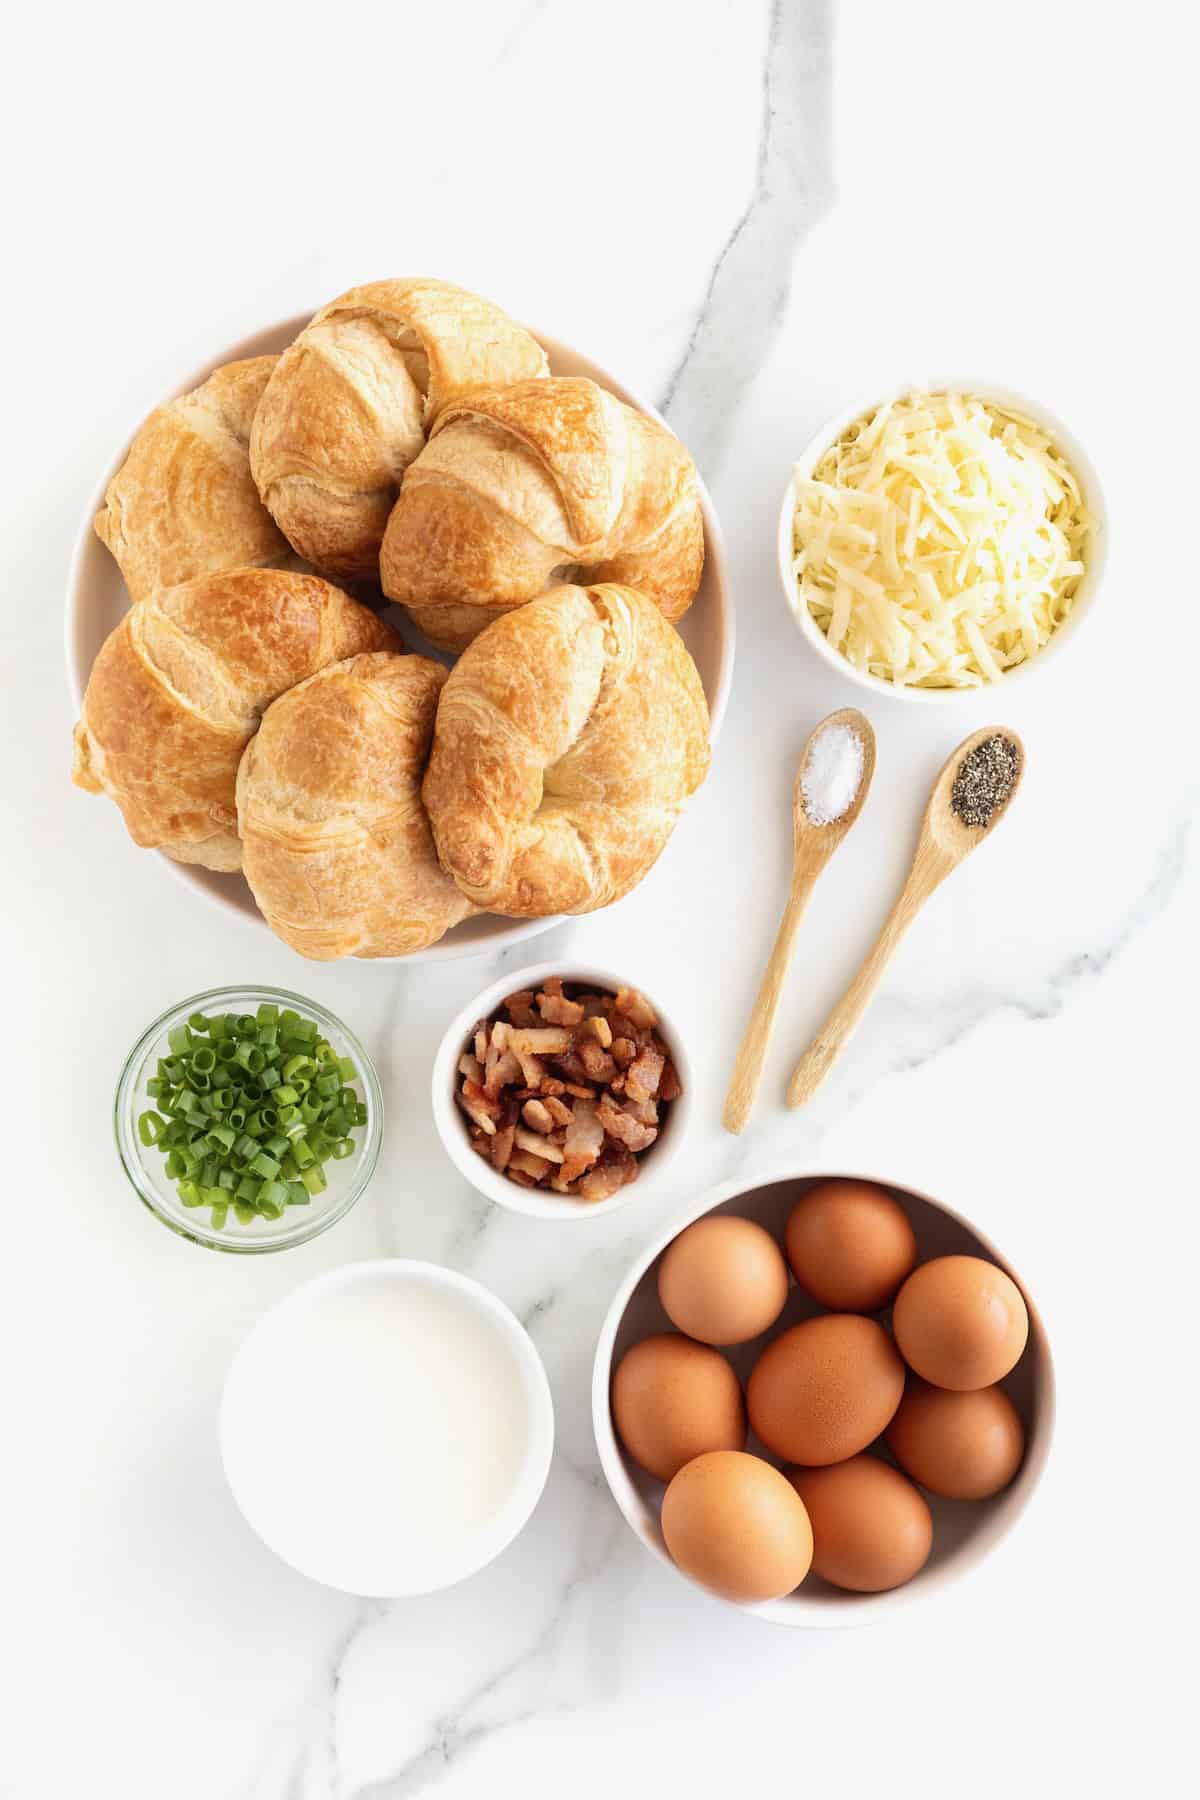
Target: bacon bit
(644, 1111)
(636, 1008)
(544, 1040)
(560, 1114)
(501, 1071)
(475, 1113)
(600, 1184)
(538, 1146)
(519, 1007)
(556, 1010)
(579, 1091)
(597, 1063)
(502, 1148)
(481, 1043)
(471, 1067)
(551, 1085)
(600, 1029)
(646, 1071)
(585, 1134)
(670, 1087)
(538, 1118)
(625, 1129)
(523, 1162)
(624, 1050)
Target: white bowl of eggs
(822, 1398)
(944, 537)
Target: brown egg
(960, 1322)
(871, 1529)
(672, 1400)
(723, 1280)
(964, 1446)
(850, 1244)
(735, 1524)
(822, 1390)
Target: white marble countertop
(690, 193)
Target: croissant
(568, 737)
(336, 843)
(522, 485)
(348, 407)
(178, 689)
(183, 503)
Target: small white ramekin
(542, 1203)
(1089, 585)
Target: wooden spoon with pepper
(970, 797)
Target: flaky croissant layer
(524, 484)
(179, 687)
(568, 737)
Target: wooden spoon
(944, 841)
(813, 847)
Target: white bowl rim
(996, 394)
(859, 1609)
(535, 1202)
(511, 1520)
(513, 931)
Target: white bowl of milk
(387, 1429)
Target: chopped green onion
(150, 1127)
(247, 1109)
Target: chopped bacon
(525, 1163)
(563, 1088)
(557, 1010)
(670, 1087)
(636, 1008)
(538, 1146)
(598, 1064)
(537, 1117)
(502, 1148)
(626, 1130)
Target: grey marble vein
(942, 1027)
(751, 278)
(456, 1731)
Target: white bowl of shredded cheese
(943, 540)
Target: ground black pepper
(985, 779)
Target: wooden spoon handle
(833, 1036)
(747, 1070)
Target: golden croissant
(179, 687)
(336, 845)
(535, 482)
(183, 503)
(350, 402)
(568, 737)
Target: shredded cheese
(940, 541)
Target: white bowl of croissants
(409, 467)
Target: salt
(832, 774)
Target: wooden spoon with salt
(814, 844)
(957, 819)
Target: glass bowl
(146, 1166)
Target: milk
(375, 1434)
